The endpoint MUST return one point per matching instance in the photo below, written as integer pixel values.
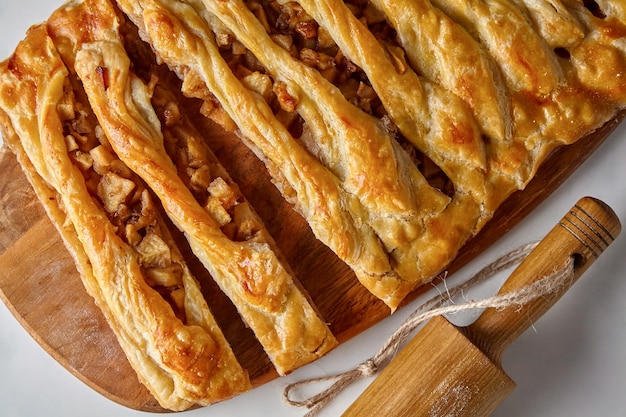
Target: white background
(573, 362)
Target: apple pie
(95, 152)
(394, 128)
(110, 222)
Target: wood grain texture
(451, 371)
(41, 287)
(443, 374)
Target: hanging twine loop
(431, 308)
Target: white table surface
(571, 363)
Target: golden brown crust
(478, 85)
(182, 358)
(486, 126)
(329, 209)
(243, 261)
(395, 141)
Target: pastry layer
(126, 257)
(395, 128)
(120, 151)
(235, 248)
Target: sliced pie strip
(419, 145)
(336, 216)
(235, 248)
(383, 221)
(109, 221)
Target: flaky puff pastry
(247, 268)
(483, 90)
(333, 214)
(134, 272)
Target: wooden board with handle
(39, 284)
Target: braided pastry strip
(373, 271)
(175, 29)
(414, 108)
(479, 85)
(502, 28)
(420, 229)
(248, 271)
(35, 96)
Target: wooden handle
(446, 370)
(583, 234)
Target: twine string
(431, 308)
